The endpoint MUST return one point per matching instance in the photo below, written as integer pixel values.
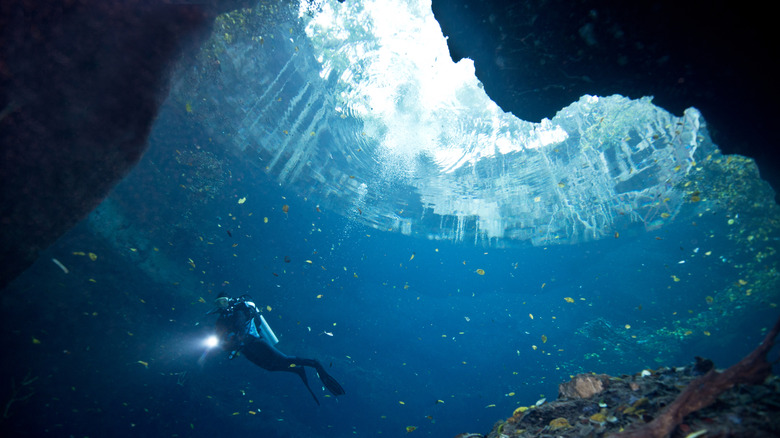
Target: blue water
(413, 332)
(447, 337)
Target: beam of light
(211, 342)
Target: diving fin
(333, 386)
(302, 373)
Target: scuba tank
(268, 334)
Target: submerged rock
(593, 405)
(583, 386)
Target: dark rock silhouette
(80, 85)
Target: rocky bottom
(598, 405)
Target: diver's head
(222, 301)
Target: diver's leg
(327, 380)
(268, 357)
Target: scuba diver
(241, 328)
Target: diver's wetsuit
(238, 330)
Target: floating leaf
(60, 265)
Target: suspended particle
(60, 265)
